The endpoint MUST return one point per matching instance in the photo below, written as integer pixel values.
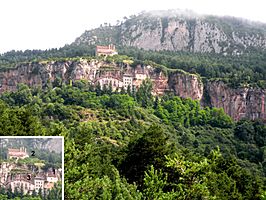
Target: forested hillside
(150, 140)
(129, 145)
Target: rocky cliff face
(175, 34)
(186, 85)
(238, 103)
(170, 30)
(39, 74)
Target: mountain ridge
(176, 31)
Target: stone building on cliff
(105, 50)
(20, 153)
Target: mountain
(185, 147)
(235, 83)
(176, 30)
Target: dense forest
(131, 145)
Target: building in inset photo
(32, 166)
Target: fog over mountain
(181, 30)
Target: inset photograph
(32, 168)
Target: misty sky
(44, 24)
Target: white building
(26, 186)
(20, 181)
(38, 183)
(127, 81)
(140, 73)
(51, 178)
(114, 82)
(140, 76)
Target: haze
(44, 24)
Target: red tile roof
(16, 152)
(110, 49)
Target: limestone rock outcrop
(170, 30)
(238, 103)
(186, 85)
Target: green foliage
(148, 150)
(86, 175)
(4, 195)
(186, 112)
(55, 193)
(11, 58)
(18, 121)
(263, 196)
(194, 177)
(120, 102)
(132, 146)
(154, 183)
(143, 95)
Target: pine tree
(133, 92)
(2, 190)
(156, 103)
(21, 191)
(129, 91)
(34, 194)
(109, 89)
(122, 91)
(98, 89)
(148, 150)
(144, 95)
(16, 192)
(40, 192)
(105, 89)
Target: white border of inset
(46, 137)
